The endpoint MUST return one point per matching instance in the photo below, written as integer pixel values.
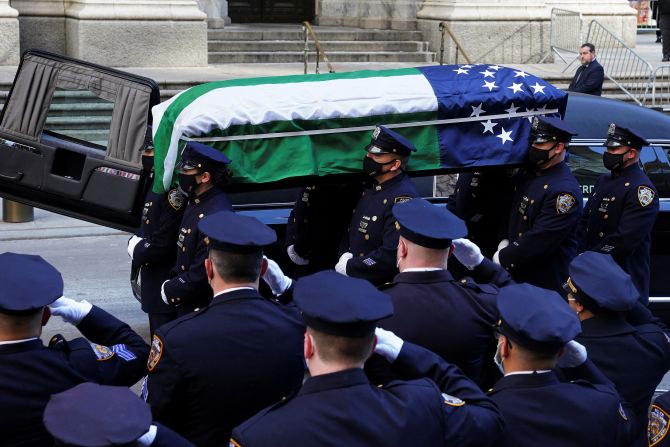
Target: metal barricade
(444, 30)
(565, 32)
(661, 89)
(308, 32)
(623, 66)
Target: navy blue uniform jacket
(216, 367)
(454, 319)
(618, 220)
(189, 288)
(156, 254)
(373, 234)
(634, 358)
(588, 79)
(543, 227)
(345, 409)
(31, 372)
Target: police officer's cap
(428, 225)
(550, 129)
(200, 156)
(600, 284)
(387, 141)
(624, 136)
(92, 415)
(340, 305)
(28, 283)
(233, 232)
(535, 318)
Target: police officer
(338, 406)
(620, 214)
(659, 421)
(91, 415)
(540, 409)
(30, 372)
(454, 319)
(634, 358)
(202, 175)
(545, 211)
(217, 366)
(152, 249)
(372, 237)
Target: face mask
(497, 358)
(538, 157)
(147, 162)
(613, 162)
(372, 168)
(188, 183)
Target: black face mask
(614, 162)
(188, 183)
(372, 168)
(147, 163)
(538, 157)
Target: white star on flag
(467, 66)
(504, 136)
(488, 126)
(530, 118)
(476, 111)
(543, 109)
(512, 110)
(538, 88)
(461, 71)
(487, 73)
(490, 85)
(523, 74)
(494, 67)
(515, 87)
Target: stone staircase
(285, 44)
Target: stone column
(137, 33)
(374, 14)
(9, 34)
(490, 31)
(617, 16)
(42, 24)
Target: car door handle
(17, 177)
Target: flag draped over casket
(273, 128)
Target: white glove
(341, 266)
(388, 344)
(468, 253)
(502, 244)
(149, 437)
(295, 257)
(132, 243)
(163, 297)
(69, 310)
(496, 257)
(275, 278)
(573, 355)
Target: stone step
(328, 46)
(223, 57)
(61, 97)
(326, 35)
(79, 122)
(63, 109)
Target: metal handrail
(660, 94)
(309, 31)
(628, 70)
(444, 29)
(565, 33)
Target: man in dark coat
(217, 366)
(590, 76)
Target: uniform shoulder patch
(175, 199)
(401, 199)
(102, 352)
(565, 202)
(452, 400)
(645, 195)
(659, 421)
(155, 353)
(369, 262)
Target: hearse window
(80, 115)
(586, 163)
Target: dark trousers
(158, 320)
(665, 34)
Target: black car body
(96, 175)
